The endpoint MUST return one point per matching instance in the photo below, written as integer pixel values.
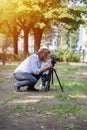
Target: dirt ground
(25, 110)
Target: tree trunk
(26, 41)
(15, 44)
(15, 36)
(37, 38)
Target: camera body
(54, 59)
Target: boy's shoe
(44, 88)
(17, 88)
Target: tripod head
(54, 59)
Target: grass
(7, 67)
(19, 108)
(62, 97)
(65, 108)
(75, 88)
(1, 81)
(69, 109)
(6, 100)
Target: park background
(25, 26)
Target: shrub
(67, 55)
(14, 57)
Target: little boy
(44, 77)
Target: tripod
(50, 75)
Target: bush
(66, 55)
(14, 57)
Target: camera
(54, 59)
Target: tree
(10, 27)
(26, 29)
(56, 12)
(40, 15)
(23, 19)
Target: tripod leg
(58, 80)
(52, 76)
(49, 79)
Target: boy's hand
(47, 67)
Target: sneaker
(17, 88)
(44, 88)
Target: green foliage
(27, 14)
(41, 13)
(67, 55)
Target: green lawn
(74, 98)
(73, 101)
(7, 67)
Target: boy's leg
(44, 80)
